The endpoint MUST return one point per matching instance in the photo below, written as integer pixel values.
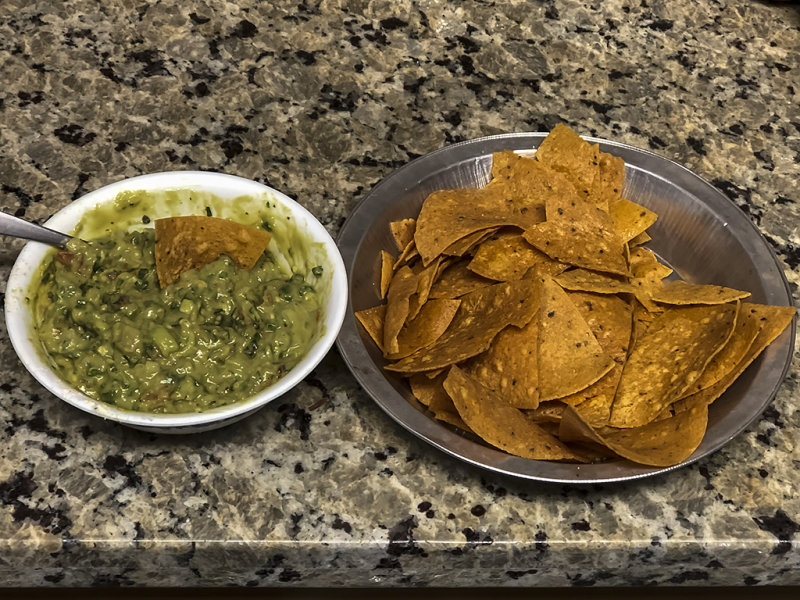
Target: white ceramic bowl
(226, 187)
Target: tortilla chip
(387, 264)
(526, 182)
(449, 215)
(430, 392)
(597, 176)
(645, 264)
(610, 320)
(640, 239)
(456, 281)
(372, 320)
(509, 367)
(185, 243)
(481, 316)
(630, 219)
(748, 324)
(581, 280)
(668, 359)
(403, 232)
(506, 256)
(500, 424)
(546, 412)
(416, 334)
(425, 280)
(647, 273)
(425, 328)
(468, 242)
(579, 233)
(570, 357)
(407, 255)
(402, 286)
(773, 320)
(680, 292)
(661, 443)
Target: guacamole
(218, 335)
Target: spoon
(16, 227)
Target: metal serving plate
(699, 232)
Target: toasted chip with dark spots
(597, 176)
(773, 320)
(570, 357)
(610, 320)
(630, 219)
(579, 233)
(481, 316)
(668, 359)
(506, 256)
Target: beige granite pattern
(321, 99)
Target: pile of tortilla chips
(529, 314)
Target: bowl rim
(26, 265)
(350, 341)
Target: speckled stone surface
(321, 100)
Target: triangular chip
(579, 233)
(668, 359)
(372, 320)
(185, 243)
(647, 274)
(662, 443)
(403, 232)
(449, 215)
(500, 424)
(402, 286)
(773, 320)
(631, 219)
(481, 316)
(610, 320)
(430, 392)
(420, 332)
(387, 264)
(506, 256)
(509, 367)
(681, 292)
(570, 357)
(425, 280)
(457, 280)
(748, 324)
(597, 176)
(642, 318)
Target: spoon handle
(13, 226)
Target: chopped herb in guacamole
(218, 335)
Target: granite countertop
(321, 100)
